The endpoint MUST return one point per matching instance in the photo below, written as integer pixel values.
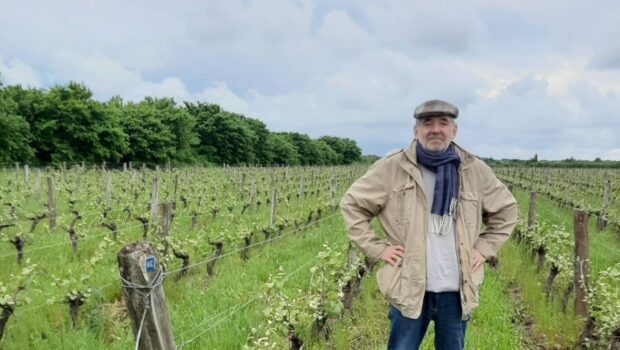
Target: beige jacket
(393, 191)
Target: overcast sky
(529, 77)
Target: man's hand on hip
(477, 260)
(393, 254)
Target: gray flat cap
(434, 108)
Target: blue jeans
(442, 308)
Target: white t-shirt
(442, 267)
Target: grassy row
(553, 327)
(494, 325)
(499, 322)
(218, 312)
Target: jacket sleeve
(499, 214)
(360, 204)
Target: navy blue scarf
(446, 166)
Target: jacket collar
(409, 162)
(466, 157)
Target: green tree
(347, 149)
(224, 138)
(326, 155)
(159, 131)
(261, 135)
(307, 150)
(15, 134)
(281, 150)
(66, 124)
(75, 127)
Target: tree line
(65, 124)
(565, 163)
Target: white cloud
(528, 116)
(223, 96)
(342, 36)
(291, 112)
(415, 27)
(106, 78)
(17, 72)
(529, 77)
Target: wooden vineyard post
(602, 216)
(108, 188)
(132, 181)
(176, 186)
(333, 191)
(37, 184)
(274, 207)
(51, 203)
(353, 258)
(352, 288)
(241, 180)
(581, 262)
(253, 194)
(302, 186)
(165, 217)
(154, 199)
(531, 215)
(165, 221)
(26, 174)
(531, 219)
(142, 280)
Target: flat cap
(434, 108)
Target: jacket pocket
(473, 288)
(389, 281)
(470, 211)
(400, 212)
(477, 277)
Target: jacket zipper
(458, 238)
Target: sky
(529, 77)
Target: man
(431, 200)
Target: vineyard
(257, 258)
(572, 257)
(268, 232)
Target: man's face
(435, 133)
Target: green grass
(221, 311)
(198, 305)
(498, 322)
(604, 246)
(552, 326)
(212, 309)
(238, 282)
(367, 326)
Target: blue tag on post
(150, 264)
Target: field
(258, 258)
